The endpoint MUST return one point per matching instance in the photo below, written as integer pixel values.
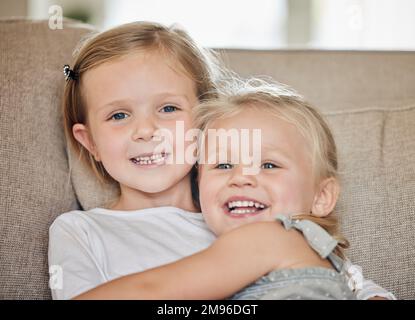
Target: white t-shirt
(88, 248)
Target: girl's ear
(326, 197)
(81, 134)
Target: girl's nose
(145, 128)
(238, 179)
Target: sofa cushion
(335, 80)
(90, 192)
(35, 185)
(376, 205)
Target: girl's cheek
(187, 122)
(215, 184)
(205, 184)
(110, 142)
(291, 197)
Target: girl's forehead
(168, 58)
(131, 75)
(254, 118)
(141, 57)
(276, 132)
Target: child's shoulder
(70, 219)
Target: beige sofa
(368, 98)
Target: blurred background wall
(262, 24)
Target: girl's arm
(235, 260)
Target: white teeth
(155, 158)
(236, 204)
(242, 211)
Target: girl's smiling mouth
(240, 207)
(150, 160)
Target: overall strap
(318, 238)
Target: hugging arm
(235, 260)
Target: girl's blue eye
(119, 116)
(268, 165)
(224, 166)
(169, 109)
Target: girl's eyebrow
(276, 150)
(171, 94)
(118, 102)
(115, 103)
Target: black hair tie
(69, 73)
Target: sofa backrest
(367, 97)
(34, 176)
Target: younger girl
(295, 183)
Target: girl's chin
(157, 188)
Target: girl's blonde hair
(200, 65)
(237, 95)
